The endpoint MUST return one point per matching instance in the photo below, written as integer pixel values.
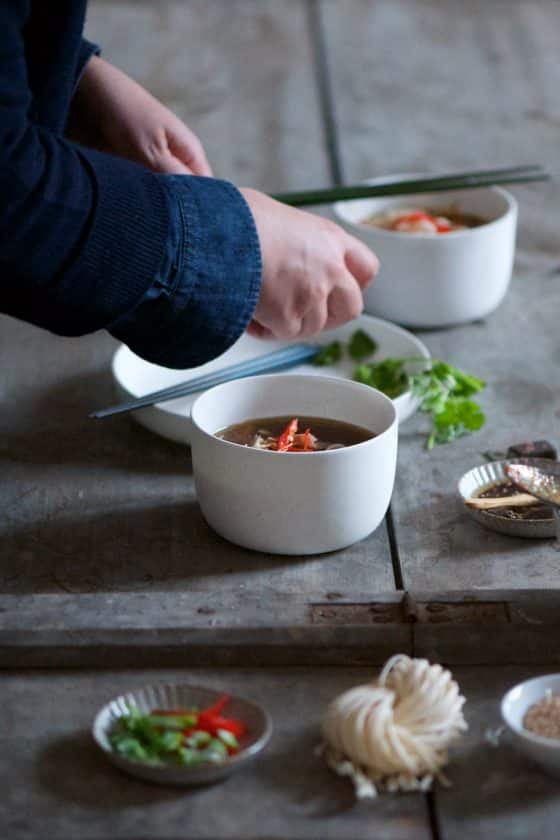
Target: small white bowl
(545, 751)
(294, 504)
(444, 279)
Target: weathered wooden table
(109, 576)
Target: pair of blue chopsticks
(287, 357)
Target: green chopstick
(426, 184)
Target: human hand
(313, 272)
(115, 114)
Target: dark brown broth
(328, 432)
(502, 489)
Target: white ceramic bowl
(135, 377)
(545, 751)
(440, 280)
(293, 504)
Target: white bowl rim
(164, 406)
(512, 207)
(231, 761)
(343, 383)
(542, 741)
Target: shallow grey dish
(480, 477)
(169, 696)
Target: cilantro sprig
(444, 391)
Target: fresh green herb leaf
(443, 391)
(330, 354)
(361, 346)
(388, 376)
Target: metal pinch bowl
(541, 482)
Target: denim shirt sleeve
(206, 290)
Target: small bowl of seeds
(531, 712)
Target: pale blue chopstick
(287, 357)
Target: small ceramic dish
(173, 696)
(480, 478)
(443, 279)
(515, 703)
(308, 503)
(134, 377)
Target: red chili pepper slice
(211, 725)
(217, 708)
(287, 437)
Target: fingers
(167, 164)
(360, 262)
(315, 319)
(186, 146)
(345, 302)
(258, 331)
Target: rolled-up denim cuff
(207, 288)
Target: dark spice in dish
(295, 434)
(502, 489)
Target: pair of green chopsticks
(416, 186)
(298, 354)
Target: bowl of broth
(446, 258)
(294, 464)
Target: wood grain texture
(495, 792)
(56, 784)
(239, 72)
(427, 86)
(106, 507)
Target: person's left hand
(112, 112)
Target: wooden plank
(239, 73)
(458, 627)
(396, 68)
(495, 792)
(55, 784)
(106, 508)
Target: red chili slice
(287, 437)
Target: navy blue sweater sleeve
(86, 238)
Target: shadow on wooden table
(72, 768)
(166, 546)
(489, 781)
(52, 428)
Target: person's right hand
(313, 272)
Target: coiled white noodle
(394, 732)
